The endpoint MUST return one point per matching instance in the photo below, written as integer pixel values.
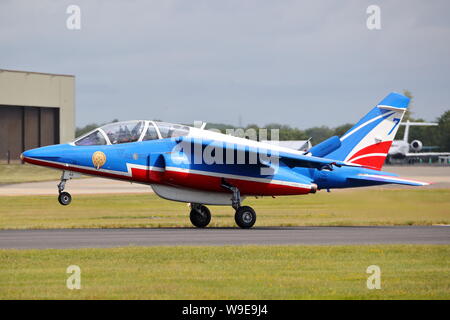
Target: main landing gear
(245, 216)
(64, 198)
(200, 215)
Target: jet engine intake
(416, 145)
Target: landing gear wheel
(200, 216)
(64, 198)
(245, 217)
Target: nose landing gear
(64, 198)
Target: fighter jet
(202, 167)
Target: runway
(104, 238)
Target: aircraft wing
(298, 145)
(388, 179)
(290, 159)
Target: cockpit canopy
(131, 131)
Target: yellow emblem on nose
(98, 159)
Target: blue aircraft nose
(28, 154)
(51, 153)
(33, 153)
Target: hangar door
(23, 128)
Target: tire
(245, 217)
(64, 198)
(200, 216)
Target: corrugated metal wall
(23, 128)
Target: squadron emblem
(98, 159)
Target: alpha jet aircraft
(202, 167)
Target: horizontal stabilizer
(388, 179)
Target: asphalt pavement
(103, 238)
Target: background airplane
(202, 167)
(402, 149)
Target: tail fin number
(397, 121)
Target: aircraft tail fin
(367, 143)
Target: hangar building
(36, 109)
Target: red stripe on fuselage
(211, 183)
(185, 179)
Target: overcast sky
(302, 63)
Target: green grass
(17, 173)
(230, 272)
(360, 207)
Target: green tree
(341, 130)
(319, 134)
(82, 130)
(427, 135)
(89, 127)
(444, 131)
(406, 117)
(408, 112)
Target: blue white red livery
(202, 167)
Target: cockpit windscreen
(94, 139)
(131, 131)
(123, 132)
(170, 130)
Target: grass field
(244, 272)
(16, 173)
(360, 207)
(225, 272)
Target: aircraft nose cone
(29, 154)
(33, 153)
(53, 152)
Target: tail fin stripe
(368, 155)
(383, 116)
(373, 161)
(379, 148)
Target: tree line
(438, 137)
